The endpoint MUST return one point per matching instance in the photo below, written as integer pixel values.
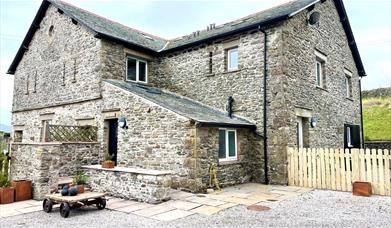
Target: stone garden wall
(45, 163)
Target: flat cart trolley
(70, 202)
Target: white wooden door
(300, 132)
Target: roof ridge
(110, 20)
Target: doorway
(113, 139)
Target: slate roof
(133, 38)
(202, 114)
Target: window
(348, 137)
(210, 62)
(18, 136)
(137, 70)
(232, 63)
(227, 144)
(320, 73)
(352, 137)
(348, 83)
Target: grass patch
(377, 118)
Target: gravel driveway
(315, 208)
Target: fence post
(355, 165)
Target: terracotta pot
(361, 188)
(23, 189)
(80, 188)
(7, 195)
(108, 164)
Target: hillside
(377, 114)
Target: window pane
(131, 69)
(233, 58)
(142, 71)
(221, 143)
(318, 73)
(231, 144)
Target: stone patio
(182, 204)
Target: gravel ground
(316, 208)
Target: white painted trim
(164, 47)
(321, 56)
(227, 157)
(229, 59)
(348, 72)
(348, 137)
(320, 84)
(137, 70)
(305, 7)
(300, 133)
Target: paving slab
(154, 210)
(120, 204)
(172, 215)
(207, 210)
(242, 201)
(181, 204)
(205, 200)
(133, 207)
(34, 202)
(7, 213)
(30, 209)
(227, 205)
(178, 195)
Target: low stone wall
(151, 186)
(378, 145)
(44, 163)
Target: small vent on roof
(211, 27)
(196, 33)
(147, 37)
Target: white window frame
(137, 70)
(349, 137)
(229, 51)
(320, 59)
(348, 78)
(227, 157)
(300, 132)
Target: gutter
(362, 122)
(265, 154)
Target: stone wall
(143, 185)
(378, 145)
(61, 65)
(45, 163)
(292, 86)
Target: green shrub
(80, 178)
(4, 182)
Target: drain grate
(255, 207)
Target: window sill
(228, 162)
(231, 71)
(136, 82)
(210, 75)
(321, 88)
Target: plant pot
(108, 164)
(23, 189)
(7, 195)
(361, 188)
(80, 188)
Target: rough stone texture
(45, 163)
(378, 145)
(41, 79)
(143, 187)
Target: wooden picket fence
(337, 169)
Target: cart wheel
(47, 205)
(101, 203)
(64, 210)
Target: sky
(369, 19)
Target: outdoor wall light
(313, 121)
(122, 122)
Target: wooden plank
(375, 168)
(381, 172)
(314, 155)
(318, 169)
(77, 198)
(343, 169)
(348, 158)
(355, 165)
(327, 155)
(322, 168)
(290, 166)
(368, 165)
(332, 171)
(337, 171)
(387, 169)
(296, 166)
(362, 166)
(301, 167)
(309, 166)
(305, 171)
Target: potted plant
(108, 163)
(80, 179)
(7, 193)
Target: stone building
(234, 95)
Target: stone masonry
(61, 77)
